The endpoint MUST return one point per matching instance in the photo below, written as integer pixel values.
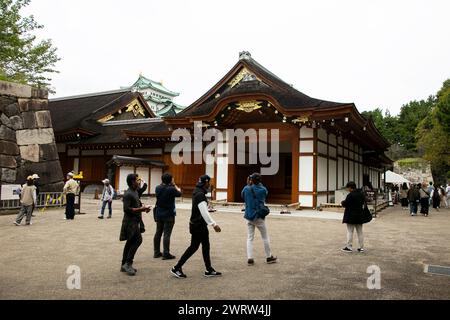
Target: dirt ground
(34, 260)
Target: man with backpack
(254, 195)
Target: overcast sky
(374, 53)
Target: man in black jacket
(165, 214)
(353, 216)
(132, 226)
(198, 227)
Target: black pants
(424, 205)
(163, 227)
(197, 238)
(131, 247)
(70, 206)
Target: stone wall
(27, 142)
(415, 170)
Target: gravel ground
(34, 259)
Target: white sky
(374, 53)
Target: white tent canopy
(392, 177)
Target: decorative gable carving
(133, 110)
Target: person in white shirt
(27, 201)
(198, 227)
(107, 198)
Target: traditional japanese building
(158, 97)
(323, 144)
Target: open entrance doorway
(279, 185)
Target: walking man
(424, 200)
(353, 216)
(71, 189)
(413, 198)
(165, 214)
(132, 226)
(107, 198)
(27, 201)
(198, 227)
(254, 195)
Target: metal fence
(44, 199)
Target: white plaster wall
(321, 199)
(321, 174)
(306, 173)
(322, 148)
(306, 146)
(332, 169)
(221, 196)
(340, 170)
(155, 179)
(124, 172)
(222, 173)
(306, 132)
(305, 200)
(322, 134)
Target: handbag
(367, 215)
(262, 210)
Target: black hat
(204, 179)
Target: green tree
(23, 58)
(385, 123)
(433, 136)
(443, 106)
(409, 118)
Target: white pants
(359, 231)
(261, 225)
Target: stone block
(7, 161)
(8, 175)
(29, 120)
(48, 152)
(7, 133)
(30, 152)
(24, 105)
(4, 119)
(8, 148)
(15, 89)
(43, 119)
(16, 123)
(35, 136)
(6, 101)
(49, 171)
(39, 93)
(12, 110)
(39, 104)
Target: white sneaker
(16, 223)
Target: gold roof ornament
(245, 75)
(249, 106)
(135, 107)
(301, 119)
(106, 118)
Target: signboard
(10, 192)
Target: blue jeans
(109, 208)
(413, 207)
